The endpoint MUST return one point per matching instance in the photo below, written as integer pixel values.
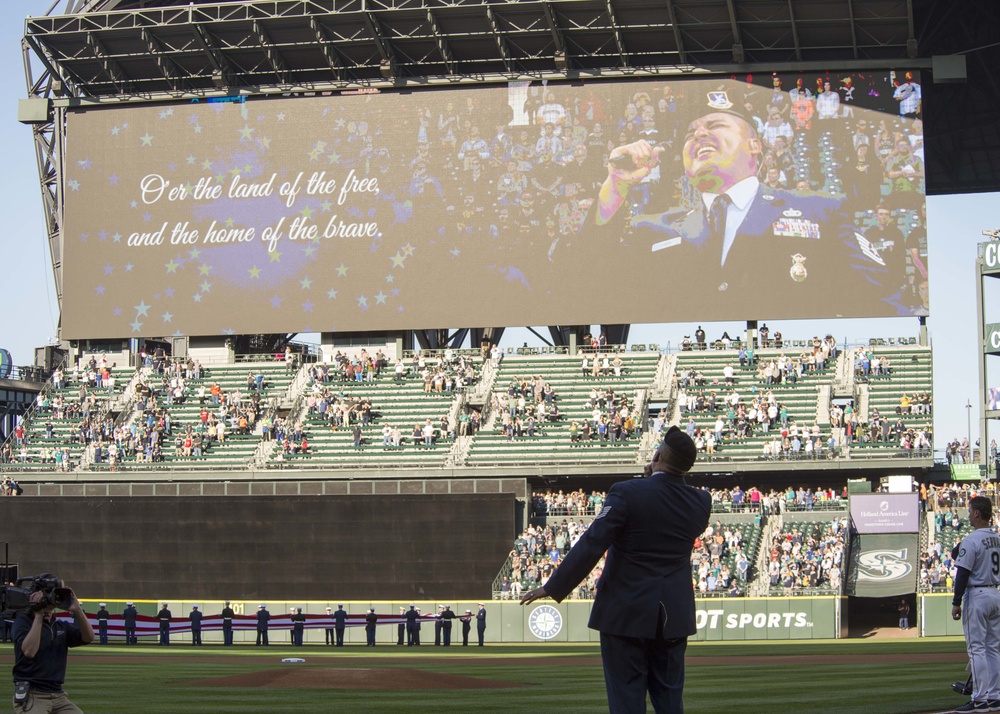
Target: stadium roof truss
(130, 51)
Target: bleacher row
(618, 392)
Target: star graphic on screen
(206, 286)
(398, 260)
(395, 292)
(146, 139)
(197, 128)
(332, 294)
(128, 267)
(73, 184)
(307, 212)
(169, 292)
(275, 256)
(194, 253)
(455, 252)
(310, 249)
(83, 164)
(166, 113)
(99, 290)
(109, 269)
(390, 277)
(219, 178)
(306, 283)
(254, 272)
(197, 297)
(116, 238)
(204, 269)
(380, 298)
(113, 180)
(115, 130)
(325, 207)
(136, 326)
(84, 237)
(229, 222)
(167, 317)
(235, 171)
(207, 164)
(133, 204)
(275, 301)
(333, 157)
(281, 116)
(342, 271)
(190, 160)
(408, 249)
(308, 306)
(264, 142)
(142, 309)
(102, 236)
(229, 331)
(399, 309)
(320, 146)
(339, 124)
(363, 302)
(147, 216)
(117, 312)
(313, 155)
(246, 132)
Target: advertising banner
(991, 256)
(882, 565)
(496, 205)
(885, 512)
(992, 333)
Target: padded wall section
(268, 548)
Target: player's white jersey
(980, 555)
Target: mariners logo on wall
(883, 565)
(545, 622)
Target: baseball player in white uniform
(976, 581)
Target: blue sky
(956, 223)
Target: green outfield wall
(934, 616)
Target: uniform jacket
(128, 616)
(648, 527)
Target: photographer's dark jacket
(46, 671)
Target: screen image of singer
(908, 677)
(366, 212)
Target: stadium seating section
(405, 403)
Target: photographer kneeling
(41, 643)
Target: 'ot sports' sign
(993, 338)
(991, 255)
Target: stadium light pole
(968, 412)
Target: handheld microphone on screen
(625, 162)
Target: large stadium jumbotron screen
(787, 196)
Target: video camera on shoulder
(17, 597)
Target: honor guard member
(263, 617)
(438, 626)
(291, 630)
(644, 608)
(446, 617)
(102, 623)
(195, 618)
(227, 625)
(976, 581)
(298, 627)
(466, 627)
(741, 233)
(411, 626)
(340, 623)
(401, 627)
(416, 629)
(370, 619)
(129, 615)
(481, 623)
(330, 637)
(41, 643)
(164, 617)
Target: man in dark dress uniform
(370, 619)
(741, 234)
(164, 617)
(340, 622)
(644, 607)
(298, 627)
(129, 615)
(401, 627)
(263, 617)
(102, 623)
(438, 626)
(411, 626)
(447, 615)
(330, 636)
(466, 627)
(227, 625)
(481, 623)
(195, 618)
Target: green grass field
(862, 677)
